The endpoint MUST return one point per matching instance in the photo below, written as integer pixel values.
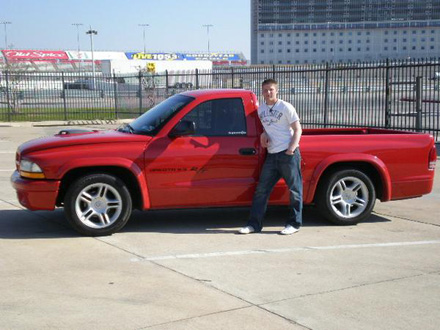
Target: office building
(317, 31)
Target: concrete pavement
(189, 270)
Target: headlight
(30, 170)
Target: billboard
(184, 56)
(34, 55)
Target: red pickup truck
(201, 149)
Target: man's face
(270, 92)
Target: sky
(174, 26)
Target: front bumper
(35, 194)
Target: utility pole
(207, 26)
(6, 33)
(143, 28)
(92, 32)
(77, 42)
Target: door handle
(247, 151)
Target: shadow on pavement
(23, 224)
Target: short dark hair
(269, 81)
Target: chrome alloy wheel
(98, 205)
(349, 197)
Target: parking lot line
(287, 250)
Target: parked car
(201, 149)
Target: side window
(222, 117)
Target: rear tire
(346, 197)
(98, 204)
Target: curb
(66, 123)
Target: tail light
(432, 158)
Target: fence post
(232, 75)
(115, 90)
(326, 92)
(140, 92)
(197, 79)
(387, 95)
(419, 98)
(167, 83)
(273, 72)
(63, 94)
(8, 96)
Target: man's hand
(290, 151)
(264, 140)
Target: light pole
(6, 33)
(77, 41)
(91, 33)
(143, 27)
(207, 26)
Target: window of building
(262, 51)
(359, 33)
(223, 117)
(288, 50)
(423, 31)
(306, 42)
(280, 42)
(271, 43)
(314, 50)
(262, 35)
(280, 50)
(296, 50)
(262, 43)
(306, 50)
(349, 49)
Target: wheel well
(366, 168)
(123, 174)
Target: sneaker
(246, 230)
(289, 230)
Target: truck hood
(83, 138)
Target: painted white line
(286, 250)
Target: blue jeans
(277, 166)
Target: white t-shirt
(277, 120)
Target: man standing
(281, 136)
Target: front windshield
(152, 120)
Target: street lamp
(207, 26)
(77, 40)
(143, 27)
(91, 33)
(6, 33)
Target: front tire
(346, 197)
(98, 204)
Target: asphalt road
(190, 270)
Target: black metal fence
(391, 94)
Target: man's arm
(294, 143)
(264, 140)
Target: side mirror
(183, 128)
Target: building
(317, 31)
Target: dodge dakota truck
(201, 149)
